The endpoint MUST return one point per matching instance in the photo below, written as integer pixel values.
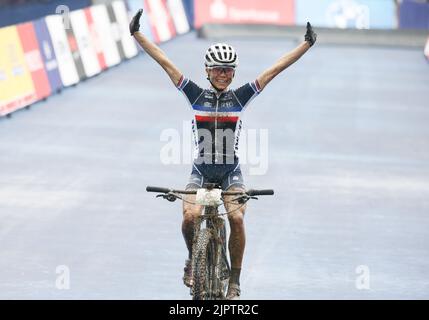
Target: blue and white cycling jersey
(216, 124)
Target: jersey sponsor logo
(227, 104)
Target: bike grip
(157, 189)
(267, 192)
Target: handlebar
(267, 192)
(157, 189)
(250, 192)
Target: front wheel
(201, 266)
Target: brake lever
(169, 197)
(244, 199)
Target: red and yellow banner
(34, 59)
(16, 84)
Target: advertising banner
(145, 26)
(95, 38)
(189, 9)
(353, 14)
(128, 43)
(34, 60)
(115, 31)
(244, 11)
(66, 65)
(177, 12)
(74, 49)
(85, 47)
(16, 85)
(414, 14)
(48, 54)
(161, 22)
(103, 28)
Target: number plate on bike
(209, 197)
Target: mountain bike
(210, 264)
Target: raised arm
(153, 50)
(288, 59)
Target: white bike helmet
(221, 55)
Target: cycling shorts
(226, 175)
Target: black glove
(134, 24)
(310, 35)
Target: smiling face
(220, 77)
